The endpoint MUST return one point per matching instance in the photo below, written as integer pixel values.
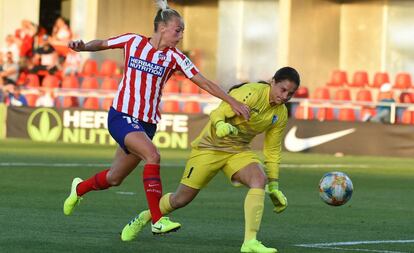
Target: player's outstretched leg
(255, 246)
(73, 199)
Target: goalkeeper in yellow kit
(224, 144)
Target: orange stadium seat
(402, 81)
(364, 95)
(359, 79)
(338, 78)
(346, 114)
(90, 83)
(300, 113)
(31, 99)
(32, 80)
(170, 107)
(325, 114)
(188, 87)
(70, 82)
(172, 86)
(406, 98)
(192, 107)
(343, 95)
(379, 79)
(90, 68)
(50, 81)
(302, 92)
(108, 68)
(109, 84)
(321, 93)
(366, 112)
(91, 103)
(407, 117)
(107, 103)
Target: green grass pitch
(35, 179)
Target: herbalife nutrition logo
(44, 125)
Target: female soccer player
(149, 62)
(224, 144)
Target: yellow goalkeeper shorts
(203, 165)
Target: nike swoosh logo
(295, 144)
(157, 228)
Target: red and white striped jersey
(146, 70)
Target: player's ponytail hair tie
(164, 13)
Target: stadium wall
(178, 130)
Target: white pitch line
(21, 164)
(333, 244)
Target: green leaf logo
(44, 124)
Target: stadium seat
(70, 82)
(90, 68)
(170, 106)
(364, 95)
(346, 114)
(359, 79)
(31, 99)
(188, 87)
(107, 103)
(342, 95)
(91, 103)
(403, 81)
(69, 102)
(379, 79)
(32, 80)
(321, 93)
(90, 83)
(300, 113)
(366, 113)
(338, 78)
(50, 81)
(108, 68)
(406, 98)
(301, 92)
(192, 107)
(325, 114)
(109, 84)
(407, 117)
(172, 86)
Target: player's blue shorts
(120, 124)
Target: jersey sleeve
(242, 94)
(272, 147)
(120, 41)
(185, 65)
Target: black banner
(178, 130)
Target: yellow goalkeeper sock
(253, 211)
(165, 207)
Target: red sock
(97, 182)
(153, 189)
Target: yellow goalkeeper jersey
(263, 118)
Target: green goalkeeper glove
(223, 129)
(278, 198)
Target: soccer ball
(335, 188)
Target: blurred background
(355, 58)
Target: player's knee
(259, 181)
(153, 158)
